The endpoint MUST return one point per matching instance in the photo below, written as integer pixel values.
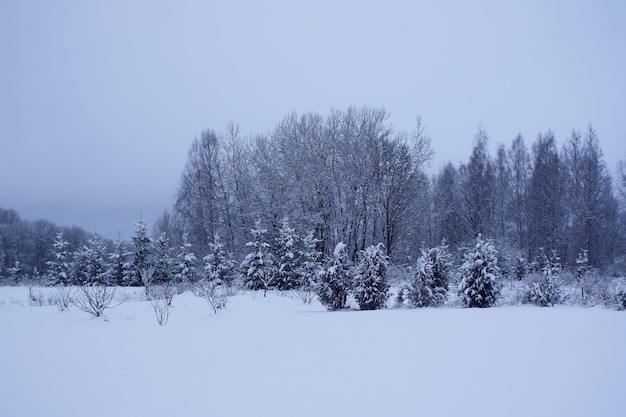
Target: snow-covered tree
(58, 266)
(258, 267)
(140, 254)
(371, 287)
(162, 262)
(309, 268)
(90, 264)
(479, 286)
(119, 264)
(186, 263)
(219, 266)
(334, 284)
(430, 282)
(287, 256)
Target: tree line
(350, 177)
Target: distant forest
(351, 177)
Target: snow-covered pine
(140, 255)
(90, 266)
(118, 263)
(479, 286)
(309, 268)
(430, 282)
(162, 262)
(258, 267)
(219, 265)
(186, 263)
(371, 287)
(334, 284)
(287, 256)
(58, 266)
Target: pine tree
(430, 283)
(140, 255)
(90, 266)
(479, 286)
(258, 267)
(286, 253)
(118, 263)
(371, 287)
(186, 263)
(334, 285)
(162, 262)
(58, 266)
(308, 269)
(219, 266)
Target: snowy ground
(275, 356)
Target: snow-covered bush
(371, 289)
(430, 282)
(544, 291)
(619, 298)
(479, 286)
(214, 293)
(161, 297)
(62, 297)
(94, 299)
(334, 285)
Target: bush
(544, 292)
(94, 299)
(62, 297)
(161, 297)
(215, 294)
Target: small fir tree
(258, 267)
(139, 256)
(118, 263)
(286, 254)
(186, 263)
(334, 284)
(309, 268)
(162, 262)
(58, 266)
(479, 286)
(219, 266)
(430, 283)
(371, 287)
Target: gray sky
(100, 101)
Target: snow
(275, 356)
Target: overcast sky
(100, 100)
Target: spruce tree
(258, 267)
(162, 262)
(430, 283)
(118, 263)
(479, 286)
(58, 266)
(140, 255)
(286, 254)
(371, 287)
(219, 265)
(186, 263)
(334, 284)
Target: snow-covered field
(275, 356)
